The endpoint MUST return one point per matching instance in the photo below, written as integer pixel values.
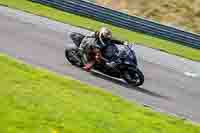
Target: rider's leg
(83, 48)
(87, 54)
(90, 60)
(83, 45)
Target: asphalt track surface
(165, 89)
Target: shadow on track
(124, 84)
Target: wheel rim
(132, 77)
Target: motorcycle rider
(98, 42)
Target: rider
(101, 40)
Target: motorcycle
(127, 69)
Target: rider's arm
(93, 34)
(114, 41)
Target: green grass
(149, 41)
(33, 100)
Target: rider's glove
(125, 43)
(111, 64)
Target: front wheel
(133, 76)
(72, 55)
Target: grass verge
(37, 101)
(149, 41)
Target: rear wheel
(73, 57)
(134, 76)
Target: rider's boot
(89, 66)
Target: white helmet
(105, 33)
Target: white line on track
(190, 74)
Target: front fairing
(125, 54)
(131, 57)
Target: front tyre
(133, 76)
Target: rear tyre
(134, 76)
(72, 55)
